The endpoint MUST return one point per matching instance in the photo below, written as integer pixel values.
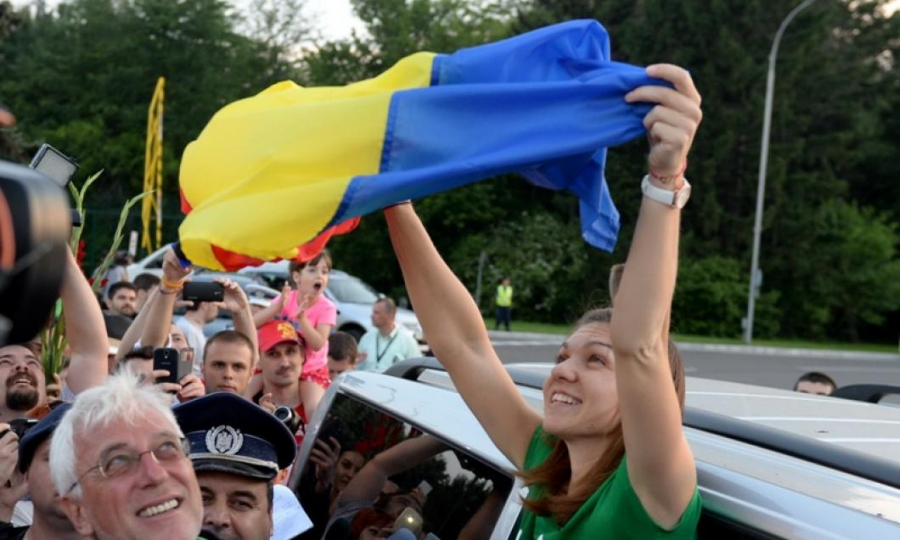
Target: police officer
(503, 301)
(237, 449)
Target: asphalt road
(765, 367)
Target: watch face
(681, 198)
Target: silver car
(772, 464)
(352, 296)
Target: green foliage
(545, 267)
(711, 300)
(849, 279)
(81, 76)
(398, 28)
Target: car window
(352, 290)
(155, 262)
(443, 492)
(275, 280)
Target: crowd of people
(128, 450)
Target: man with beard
(33, 478)
(22, 382)
(122, 299)
(237, 450)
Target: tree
(82, 78)
(834, 126)
(10, 21)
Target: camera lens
(288, 417)
(283, 413)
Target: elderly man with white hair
(119, 462)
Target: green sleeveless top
(612, 511)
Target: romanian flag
(275, 175)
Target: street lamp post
(755, 280)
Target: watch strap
(663, 196)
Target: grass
(562, 329)
(536, 327)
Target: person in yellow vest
(504, 303)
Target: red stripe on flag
(185, 205)
(235, 261)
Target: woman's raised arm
(660, 463)
(458, 337)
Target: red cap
(274, 332)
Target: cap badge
(224, 440)
(287, 331)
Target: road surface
(762, 366)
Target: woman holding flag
(609, 456)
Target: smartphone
(203, 292)
(172, 361)
(19, 426)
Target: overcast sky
(334, 18)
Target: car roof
(760, 486)
(426, 407)
(281, 267)
(865, 427)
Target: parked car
(252, 288)
(352, 296)
(151, 264)
(772, 464)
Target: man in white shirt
(389, 343)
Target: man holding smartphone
(192, 324)
(160, 306)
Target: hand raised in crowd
(9, 453)
(188, 388)
(266, 403)
(191, 388)
(325, 455)
(306, 302)
(672, 123)
(233, 299)
(12, 491)
(173, 272)
(285, 291)
(168, 387)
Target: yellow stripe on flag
(260, 158)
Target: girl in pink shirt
(312, 313)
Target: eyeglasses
(118, 462)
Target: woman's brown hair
(551, 477)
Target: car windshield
(352, 290)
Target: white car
(771, 464)
(352, 296)
(151, 264)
